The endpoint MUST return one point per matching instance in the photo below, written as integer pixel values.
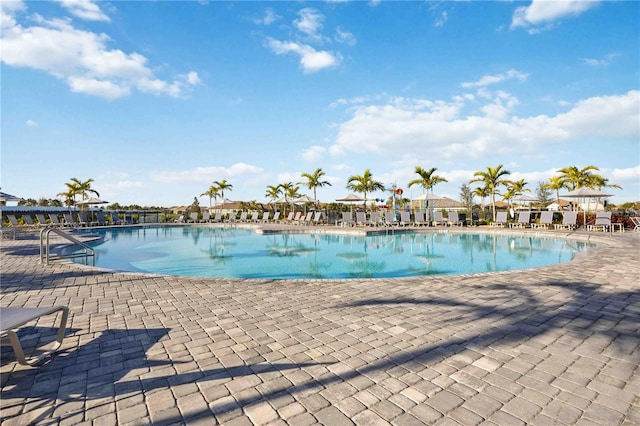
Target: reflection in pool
(242, 253)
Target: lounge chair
(255, 216)
(100, 219)
(53, 217)
(546, 220)
(69, 220)
(217, 218)
(347, 219)
(28, 220)
(602, 222)
(636, 223)
(523, 220)
(453, 219)
(318, 218)
(296, 218)
(13, 220)
(243, 217)
(83, 221)
(390, 219)
(569, 221)
(193, 217)
(13, 318)
(306, 220)
(438, 218)
(419, 219)
(501, 219)
(265, 217)
(42, 220)
(276, 217)
(374, 219)
(206, 217)
(8, 231)
(405, 218)
(361, 218)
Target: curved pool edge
(601, 239)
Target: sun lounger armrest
(14, 318)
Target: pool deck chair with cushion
(389, 218)
(501, 219)
(636, 223)
(546, 220)
(523, 220)
(419, 219)
(453, 219)
(569, 221)
(438, 219)
(13, 318)
(602, 222)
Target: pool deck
(553, 345)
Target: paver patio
(552, 345)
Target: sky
(156, 100)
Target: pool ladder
(45, 247)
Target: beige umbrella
(583, 193)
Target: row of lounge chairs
(69, 219)
(311, 217)
(404, 219)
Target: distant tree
(314, 181)
(273, 192)
(83, 188)
(556, 183)
(195, 206)
(492, 178)
(482, 192)
(466, 196)
(543, 194)
(364, 184)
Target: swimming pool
(203, 251)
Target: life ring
(399, 191)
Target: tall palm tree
(68, 195)
(492, 178)
(314, 181)
(273, 192)
(222, 186)
(482, 192)
(364, 184)
(84, 188)
(427, 179)
(212, 193)
(575, 178)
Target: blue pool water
(243, 253)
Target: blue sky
(156, 100)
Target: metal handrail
(45, 247)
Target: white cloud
(311, 60)
(440, 130)
(206, 174)
(31, 123)
(310, 23)
(314, 153)
(269, 18)
(619, 176)
(85, 9)
(603, 62)
(82, 59)
(345, 37)
(442, 19)
(545, 13)
(488, 80)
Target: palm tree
(273, 192)
(222, 186)
(364, 184)
(482, 192)
(212, 192)
(68, 195)
(314, 181)
(575, 178)
(492, 179)
(427, 179)
(83, 188)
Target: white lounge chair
(217, 218)
(569, 221)
(438, 218)
(419, 219)
(276, 217)
(546, 220)
(453, 219)
(347, 219)
(13, 318)
(405, 218)
(206, 217)
(361, 218)
(501, 219)
(265, 216)
(636, 223)
(318, 217)
(390, 219)
(602, 222)
(523, 220)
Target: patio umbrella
(583, 193)
(303, 200)
(428, 197)
(90, 202)
(350, 198)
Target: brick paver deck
(554, 345)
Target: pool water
(243, 253)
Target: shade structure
(91, 201)
(350, 198)
(304, 199)
(4, 197)
(524, 197)
(283, 200)
(586, 192)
